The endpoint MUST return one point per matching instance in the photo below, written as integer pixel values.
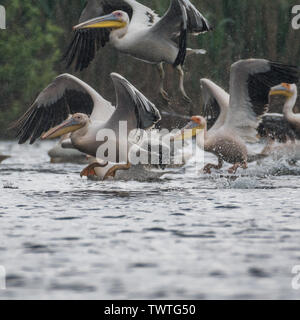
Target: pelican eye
(286, 85)
(118, 14)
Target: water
(182, 236)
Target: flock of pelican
(72, 110)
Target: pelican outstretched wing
(181, 18)
(250, 84)
(197, 23)
(132, 106)
(64, 96)
(182, 12)
(137, 12)
(141, 15)
(216, 103)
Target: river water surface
(181, 236)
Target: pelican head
(74, 123)
(116, 20)
(284, 89)
(196, 124)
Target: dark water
(182, 236)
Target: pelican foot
(89, 171)
(181, 84)
(112, 171)
(206, 170)
(209, 166)
(234, 168)
(165, 95)
(292, 162)
(187, 98)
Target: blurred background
(38, 33)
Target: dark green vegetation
(38, 32)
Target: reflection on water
(182, 236)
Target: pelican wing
(216, 103)
(276, 127)
(132, 106)
(197, 23)
(92, 9)
(181, 18)
(64, 96)
(142, 16)
(182, 12)
(137, 12)
(250, 84)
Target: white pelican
(137, 30)
(250, 84)
(91, 113)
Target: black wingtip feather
(84, 46)
(180, 59)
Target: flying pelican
(91, 114)
(137, 30)
(250, 84)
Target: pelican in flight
(137, 30)
(251, 82)
(49, 117)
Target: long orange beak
(68, 126)
(108, 21)
(281, 90)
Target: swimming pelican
(91, 114)
(250, 84)
(137, 30)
